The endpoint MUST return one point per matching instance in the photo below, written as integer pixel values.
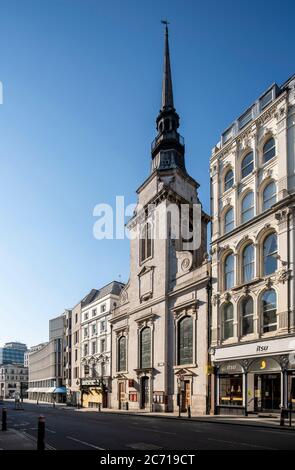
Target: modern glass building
(13, 353)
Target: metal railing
(166, 136)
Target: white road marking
(233, 443)
(152, 429)
(85, 443)
(32, 438)
(144, 446)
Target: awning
(60, 390)
(41, 390)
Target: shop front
(249, 379)
(94, 393)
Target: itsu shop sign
(275, 346)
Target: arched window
(248, 263)
(122, 353)
(269, 310)
(247, 316)
(247, 165)
(145, 348)
(227, 321)
(229, 220)
(146, 242)
(270, 252)
(228, 180)
(269, 150)
(247, 207)
(185, 341)
(269, 195)
(229, 271)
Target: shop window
(231, 390)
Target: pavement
(13, 439)
(70, 429)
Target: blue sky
(82, 84)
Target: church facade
(160, 326)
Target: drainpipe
(209, 391)
(288, 261)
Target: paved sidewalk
(16, 440)
(252, 420)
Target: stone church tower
(159, 329)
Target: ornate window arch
(268, 310)
(247, 164)
(248, 262)
(269, 251)
(228, 220)
(185, 335)
(228, 179)
(268, 150)
(269, 195)
(145, 348)
(228, 271)
(246, 312)
(247, 206)
(122, 353)
(227, 321)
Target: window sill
(141, 263)
(185, 366)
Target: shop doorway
(186, 395)
(144, 392)
(267, 392)
(291, 391)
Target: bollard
(290, 414)
(99, 407)
(4, 419)
(282, 419)
(41, 433)
(178, 404)
(189, 414)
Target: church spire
(167, 91)
(168, 146)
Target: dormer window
(245, 119)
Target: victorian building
(13, 381)
(95, 345)
(159, 328)
(252, 194)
